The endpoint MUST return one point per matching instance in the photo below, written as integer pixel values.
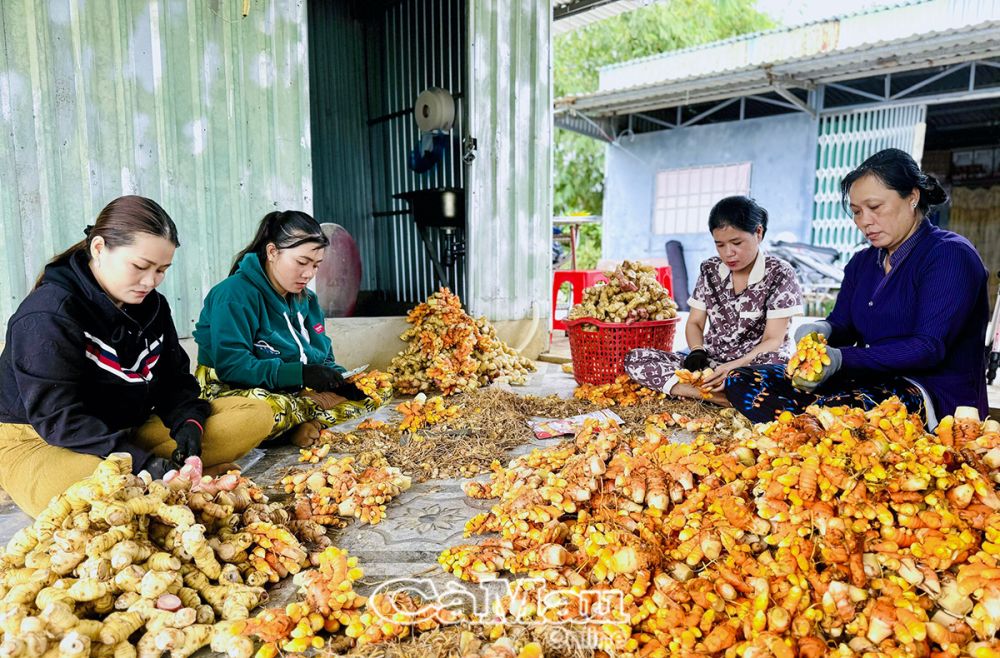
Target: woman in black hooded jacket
(92, 365)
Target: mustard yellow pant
(33, 471)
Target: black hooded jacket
(85, 373)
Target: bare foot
(682, 390)
(306, 434)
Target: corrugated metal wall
(340, 145)
(182, 101)
(510, 181)
(414, 44)
(369, 64)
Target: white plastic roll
(434, 110)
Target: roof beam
(659, 122)
(795, 100)
(695, 119)
(856, 92)
(935, 99)
(771, 101)
(923, 83)
(584, 125)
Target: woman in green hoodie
(261, 333)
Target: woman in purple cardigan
(911, 316)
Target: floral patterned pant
(761, 393)
(289, 409)
(654, 368)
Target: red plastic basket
(599, 354)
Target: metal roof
(904, 37)
(570, 15)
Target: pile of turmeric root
(376, 384)
(120, 565)
(697, 379)
(622, 392)
(336, 490)
(331, 618)
(839, 532)
(422, 412)
(452, 352)
(809, 359)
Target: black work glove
(697, 360)
(157, 467)
(188, 438)
(350, 391)
(322, 378)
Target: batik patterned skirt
(290, 409)
(761, 393)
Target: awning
(572, 15)
(913, 36)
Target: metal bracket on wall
(469, 147)
(438, 269)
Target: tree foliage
(578, 56)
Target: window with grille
(684, 196)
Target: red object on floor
(599, 348)
(578, 280)
(666, 278)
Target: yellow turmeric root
(809, 359)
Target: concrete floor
(548, 379)
(418, 525)
(425, 519)
(265, 466)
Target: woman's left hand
(836, 359)
(717, 381)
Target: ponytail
(740, 212)
(285, 230)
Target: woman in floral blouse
(745, 297)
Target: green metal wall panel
(510, 181)
(184, 101)
(845, 141)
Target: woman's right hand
(321, 378)
(822, 327)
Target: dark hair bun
(931, 192)
(898, 171)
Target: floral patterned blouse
(736, 321)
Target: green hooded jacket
(253, 337)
